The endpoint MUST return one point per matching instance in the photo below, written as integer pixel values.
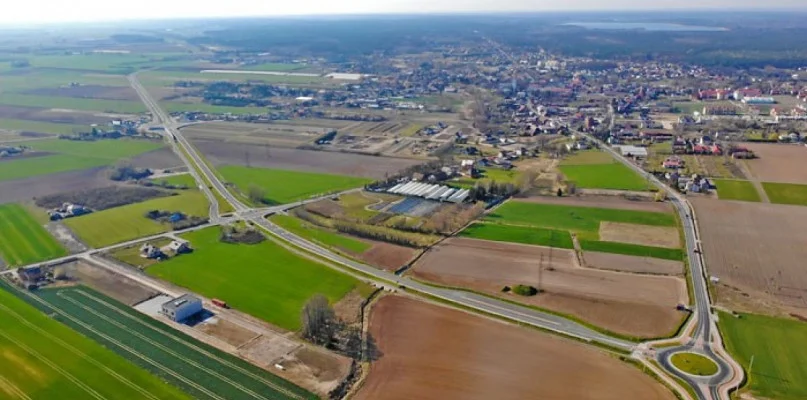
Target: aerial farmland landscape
(452, 204)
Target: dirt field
(432, 352)
(160, 159)
(277, 135)
(37, 186)
(227, 331)
(118, 287)
(629, 304)
(646, 235)
(220, 153)
(615, 202)
(640, 265)
(778, 162)
(388, 256)
(89, 91)
(757, 249)
(48, 115)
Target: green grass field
(36, 166)
(131, 254)
(72, 103)
(327, 238)
(694, 364)
(630, 249)
(534, 223)
(200, 370)
(519, 234)
(43, 359)
(72, 156)
(37, 78)
(128, 222)
(576, 219)
(104, 149)
(263, 280)
(185, 180)
(780, 361)
(23, 240)
(786, 193)
(284, 186)
(491, 174)
(613, 176)
(39, 126)
(588, 157)
(736, 190)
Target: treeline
(101, 198)
(380, 233)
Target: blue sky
(25, 11)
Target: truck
(220, 303)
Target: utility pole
(540, 272)
(751, 365)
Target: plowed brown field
(222, 153)
(629, 304)
(433, 352)
(646, 235)
(757, 249)
(778, 162)
(388, 256)
(641, 265)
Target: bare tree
(319, 321)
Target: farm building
(632, 151)
(182, 307)
(177, 247)
(430, 191)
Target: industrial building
(182, 307)
(430, 192)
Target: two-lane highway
(467, 300)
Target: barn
(182, 307)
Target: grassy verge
(322, 236)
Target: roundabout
(694, 364)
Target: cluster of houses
(689, 184)
(67, 210)
(176, 247)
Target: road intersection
(705, 339)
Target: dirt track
(432, 352)
(221, 153)
(614, 202)
(778, 162)
(759, 249)
(630, 304)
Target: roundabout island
(694, 364)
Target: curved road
(465, 299)
(706, 388)
(705, 328)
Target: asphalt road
(468, 300)
(705, 388)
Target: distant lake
(647, 26)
